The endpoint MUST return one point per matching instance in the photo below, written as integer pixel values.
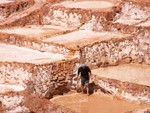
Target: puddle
(95, 103)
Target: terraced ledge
(96, 49)
(132, 13)
(130, 17)
(76, 13)
(18, 54)
(134, 73)
(9, 8)
(37, 32)
(129, 82)
(7, 88)
(87, 4)
(88, 44)
(5, 1)
(83, 38)
(26, 37)
(133, 18)
(28, 16)
(99, 49)
(146, 23)
(44, 73)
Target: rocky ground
(42, 42)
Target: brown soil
(39, 105)
(96, 103)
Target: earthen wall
(46, 79)
(114, 52)
(32, 43)
(124, 90)
(8, 9)
(71, 17)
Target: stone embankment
(10, 8)
(46, 74)
(129, 82)
(13, 101)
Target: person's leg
(87, 86)
(82, 88)
(82, 84)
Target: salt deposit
(36, 30)
(12, 53)
(146, 23)
(129, 22)
(132, 73)
(87, 4)
(83, 37)
(9, 87)
(6, 1)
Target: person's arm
(78, 74)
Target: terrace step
(10, 53)
(134, 73)
(98, 48)
(132, 18)
(11, 7)
(77, 13)
(7, 88)
(21, 18)
(104, 48)
(41, 72)
(33, 36)
(130, 82)
(133, 12)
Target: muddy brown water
(95, 103)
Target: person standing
(84, 73)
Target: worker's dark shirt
(84, 70)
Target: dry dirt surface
(96, 103)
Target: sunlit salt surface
(6, 1)
(10, 53)
(36, 31)
(135, 73)
(8, 87)
(87, 4)
(83, 38)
